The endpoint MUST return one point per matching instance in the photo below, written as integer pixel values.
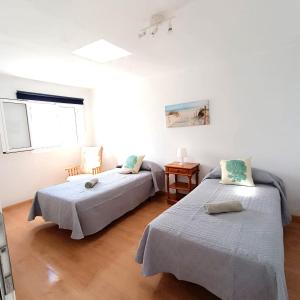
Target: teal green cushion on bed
(131, 161)
(237, 171)
(133, 164)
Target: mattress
(233, 255)
(86, 211)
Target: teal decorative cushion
(237, 171)
(132, 164)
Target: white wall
(255, 107)
(21, 174)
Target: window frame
(78, 109)
(3, 130)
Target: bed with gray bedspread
(86, 211)
(234, 255)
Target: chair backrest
(91, 157)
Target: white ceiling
(37, 37)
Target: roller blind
(48, 98)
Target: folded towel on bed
(222, 207)
(91, 183)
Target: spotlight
(170, 27)
(142, 34)
(154, 30)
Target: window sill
(43, 150)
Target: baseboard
(6, 208)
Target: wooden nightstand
(185, 169)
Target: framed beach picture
(187, 114)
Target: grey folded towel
(222, 207)
(91, 183)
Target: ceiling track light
(170, 27)
(154, 30)
(156, 21)
(142, 33)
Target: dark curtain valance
(48, 98)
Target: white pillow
(237, 171)
(132, 164)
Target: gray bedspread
(86, 211)
(264, 177)
(234, 255)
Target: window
(16, 125)
(32, 125)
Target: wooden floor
(47, 264)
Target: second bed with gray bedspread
(86, 211)
(234, 255)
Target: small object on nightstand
(181, 154)
(182, 169)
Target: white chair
(91, 163)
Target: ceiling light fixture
(170, 28)
(142, 33)
(154, 30)
(156, 21)
(101, 51)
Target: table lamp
(181, 154)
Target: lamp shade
(181, 154)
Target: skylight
(101, 51)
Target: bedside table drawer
(177, 171)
